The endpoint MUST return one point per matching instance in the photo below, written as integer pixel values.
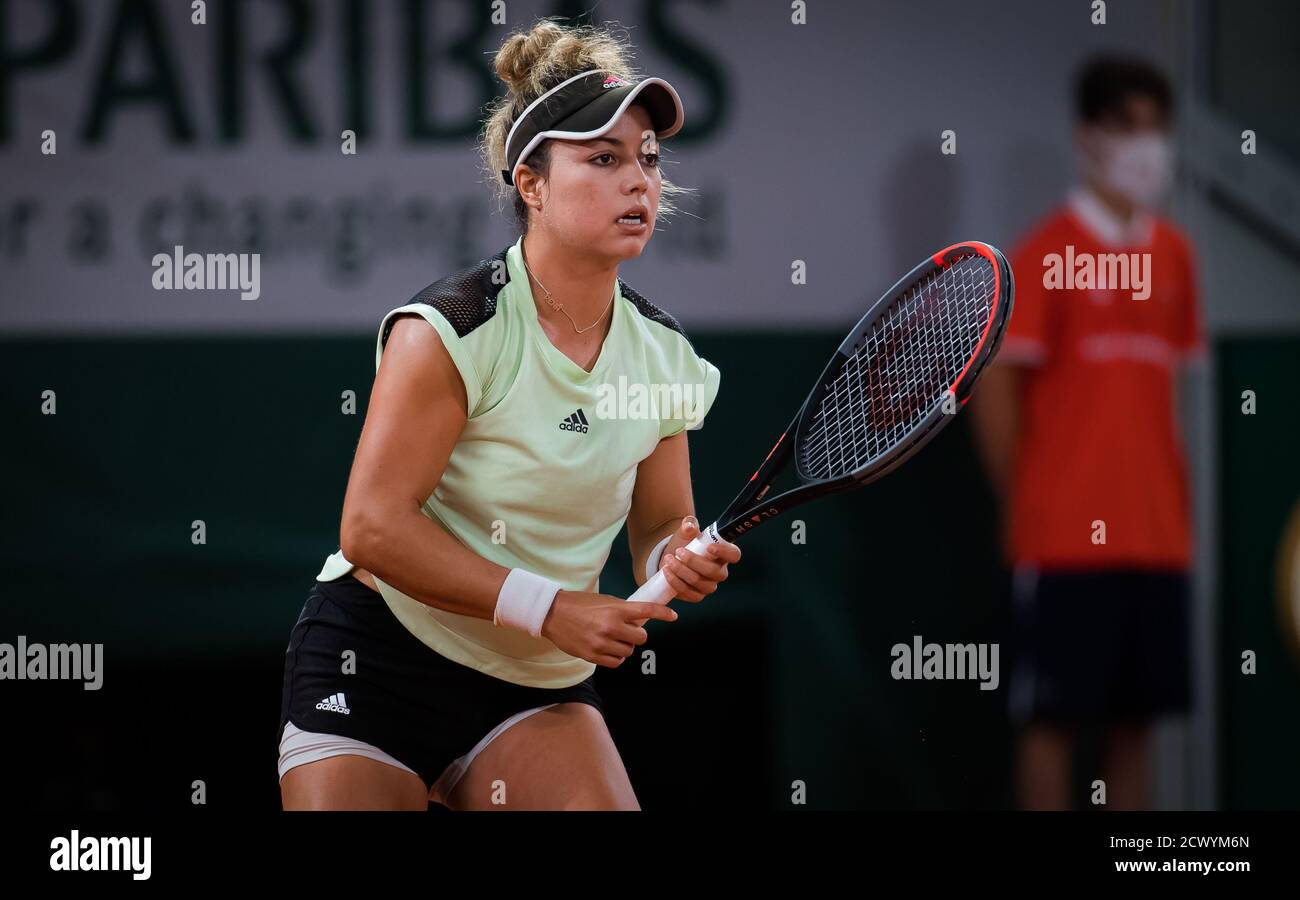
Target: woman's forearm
(419, 558)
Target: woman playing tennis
(447, 651)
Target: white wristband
(524, 600)
(652, 561)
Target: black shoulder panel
(652, 312)
(467, 298)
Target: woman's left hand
(694, 576)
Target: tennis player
(447, 651)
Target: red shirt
(1098, 440)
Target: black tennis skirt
(352, 669)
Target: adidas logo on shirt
(575, 422)
(335, 703)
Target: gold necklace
(560, 306)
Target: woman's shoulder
(672, 360)
(466, 298)
(651, 312)
(459, 306)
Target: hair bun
(520, 54)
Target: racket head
(883, 394)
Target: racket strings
(895, 377)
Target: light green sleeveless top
(542, 476)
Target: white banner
(814, 148)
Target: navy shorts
(405, 698)
(1104, 646)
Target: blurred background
(817, 142)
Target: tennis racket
(902, 373)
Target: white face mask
(1139, 167)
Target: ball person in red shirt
(1077, 428)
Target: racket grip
(657, 589)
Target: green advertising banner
(1259, 550)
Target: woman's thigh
(351, 782)
(560, 758)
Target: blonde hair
(531, 63)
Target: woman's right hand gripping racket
(901, 375)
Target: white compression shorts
(298, 747)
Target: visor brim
(594, 120)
